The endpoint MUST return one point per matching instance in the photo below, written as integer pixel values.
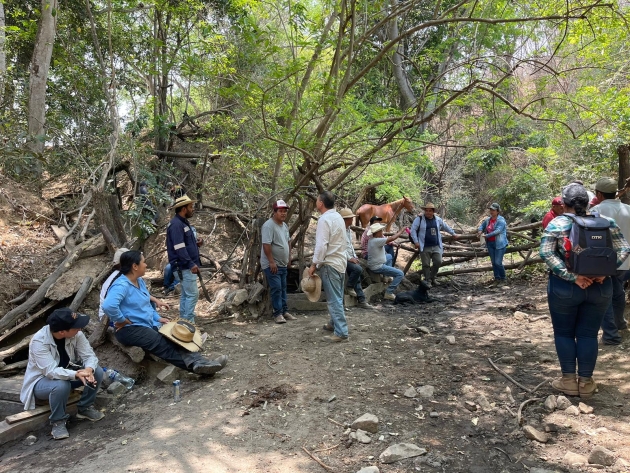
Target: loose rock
(518, 354)
(562, 403)
(534, 434)
(434, 414)
(411, 392)
(518, 315)
(30, 440)
(483, 402)
(425, 391)
(585, 409)
(116, 389)
(367, 422)
(571, 459)
(572, 411)
(400, 451)
(170, 374)
(423, 329)
(450, 339)
(601, 456)
(369, 469)
(240, 296)
(551, 428)
(550, 403)
(471, 406)
(363, 437)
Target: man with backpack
(609, 206)
(425, 234)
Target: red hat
(557, 201)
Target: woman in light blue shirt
(128, 305)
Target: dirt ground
(224, 424)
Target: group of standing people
(580, 304)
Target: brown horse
(388, 212)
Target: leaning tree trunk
(108, 215)
(40, 64)
(623, 152)
(3, 54)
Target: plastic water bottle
(114, 375)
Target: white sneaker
(389, 296)
(352, 292)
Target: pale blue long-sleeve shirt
(126, 301)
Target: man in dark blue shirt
(183, 255)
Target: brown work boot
(288, 316)
(587, 387)
(567, 384)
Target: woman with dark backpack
(577, 302)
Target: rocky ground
(422, 371)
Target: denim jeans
(57, 392)
(576, 315)
(278, 288)
(427, 255)
(496, 257)
(332, 283)
(190, 295)
(613, 318)
(354, 272)
(170, 280)
(149, 339)
(388, 270)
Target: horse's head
(408, 204)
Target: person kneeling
(128, 306)
(60, 359)
(380, 262)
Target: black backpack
(589, 248)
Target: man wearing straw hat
(425, 233)
(183, 255)
(330, 259)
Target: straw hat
(183, 200)
(346, 213)
(311, 285)
(428, 205)
(376, 227)
(118, 254)
(183, 333)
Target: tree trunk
(623, 152)
(40, 64)
(3, 54)
(108, 214)
(407, 96)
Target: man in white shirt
(330, 259)
(609, 206)
(354, 270)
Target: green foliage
(526, 185)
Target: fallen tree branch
(19, 298)
(38, 296)
(481, 269)
(26, 322)
(519, 413)
(507, 376)
(317, 460)
(81, 293)
(12, 350)
(173, 154)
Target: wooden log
(13, 367)
(20, 298)
(27, 321)
(136, 354)
(74, 397)
(230, 274)
(173, 154)
(98, 335)
(9, 432)
(12, 350)
(38, 296)
(108, 215)
(481, 269)
(482, 253)
(81, 293)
